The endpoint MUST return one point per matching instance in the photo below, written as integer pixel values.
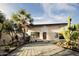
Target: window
(61, 36)
(35, 34)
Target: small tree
(67, 33)
(8, 28)
(71, 34)
(69, 27)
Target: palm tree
(23, 19)
(2, 19)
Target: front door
(44, 35)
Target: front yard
(42, 49)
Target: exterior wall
(50, 30)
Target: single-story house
(45, 31)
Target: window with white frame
(35, 34)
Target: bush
(74, 37)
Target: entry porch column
(41, 35)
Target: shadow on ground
(66, 52)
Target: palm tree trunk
(0, 35)
(11, 35)
(24, 34)
(1, 31)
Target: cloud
(65, 6)
(3, 9)
(7, 9)
(57, 12)
(39, 18)
(53, 12)
(47, 8)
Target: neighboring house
(45, 31)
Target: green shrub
(66, 36)
(74, 37)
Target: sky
(44, 13)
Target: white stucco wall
(48, 29)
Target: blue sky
(44, 12)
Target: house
(45, 31)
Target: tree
(69, 30)
(8, 28)
(23, 19)
(2, 19)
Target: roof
(49, 24)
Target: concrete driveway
(42, 49)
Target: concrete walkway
(42, 49)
